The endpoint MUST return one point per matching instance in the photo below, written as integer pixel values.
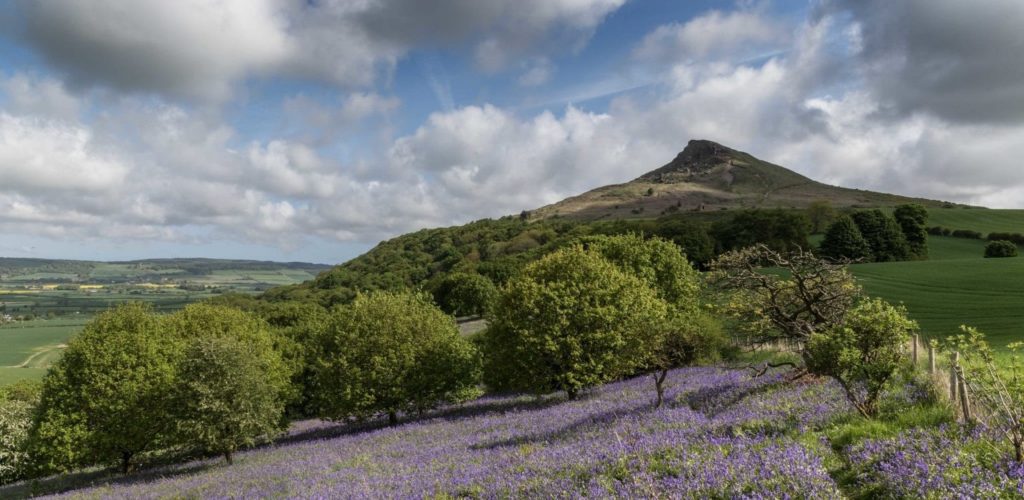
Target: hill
(707, 176)
(90, 272)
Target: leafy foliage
(657, 262)
(843, 241)
(107, 399)
(811, 294)
(863, 352)
(883, 235)
(229, 393)
(999, 248)
(913, 219)
(464, 294)
(570, 321)
(17, 405)
(998, 389)
(779, 230)
(688, 337)
(390, 352)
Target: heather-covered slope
(707, 176)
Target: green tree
(390, 352)
(464, 294)
(106, 399)
(1000, 248)
(864, 352)
(657, 262)
(821, 215)
(229, 393)
(883, 235)
(913, 221)
(686, 339)
(570, 321)
(844, 241)
(780, 230)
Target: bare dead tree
(784, 297)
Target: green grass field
(30, 347)
(977, 219)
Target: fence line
(947, 375)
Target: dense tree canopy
(390, 352)
(843, 241)
(107, 398)
(883, 235)
(1000, 249)
(569, 321)
(913, 221)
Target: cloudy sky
(311, 129)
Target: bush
(966, 233)
(996, 249)
(863, 352)
(17, 406)
(390, 352)
(570, 321)
(1016, 238)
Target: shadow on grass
(100, 477)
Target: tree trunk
(392, 418)
(126, 462)
(659, 385)
(1018, 449)
(572, 393)
(227, 457)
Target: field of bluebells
(722, 434)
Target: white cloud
(715, 34)
(44, 97)
(200, 49)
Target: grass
(29, 348)
(957, 286)
(982, 220)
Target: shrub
(17, 405)
(389, 352)
(570, 321)
(863, 352)
(999, 248)
(1016, 238)
(966, 233)
(106, 400)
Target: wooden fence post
(954, 380)
(965, 401)
(931, 360)
(915, 349)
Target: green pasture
(956, 286)
(28, 348)
(982, 220)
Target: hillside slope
(708, 176)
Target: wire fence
(947, 374)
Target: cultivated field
(957, 285)
(28, 348)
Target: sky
(310, 130)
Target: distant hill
(706, 183)
(707, 176)
(28, 269)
